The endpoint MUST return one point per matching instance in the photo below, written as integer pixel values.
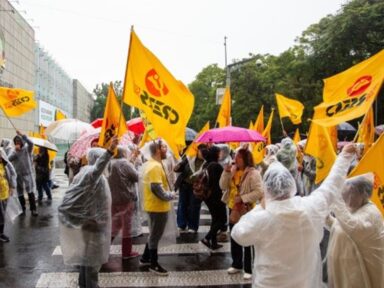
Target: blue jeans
(188, 208)
(44, 185)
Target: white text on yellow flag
(113, 121)
(149, 86)
(350, 94)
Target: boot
(22, 203)
(126, 247)
(32, 204)
(155, 267)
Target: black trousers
(88, 277)
(242, 257)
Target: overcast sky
(90, 38)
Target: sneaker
(131, 255)
(206, 243)
(247, 276)
(144, 262)
(216, 246)
(233, 270)
(157, 269)
(4, 238)
(183, 230)
(192, 231)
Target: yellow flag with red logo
(258, 149)
(296, 137)
(259, 124)
(224, 116)
(60, 115)
(149, 86)
(350, 94)
(373, 161)
(113, 121)
(319, 146)
(192, 148)
(289, 108)
(16, 102)
(367, 131)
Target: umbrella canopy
(136, 125)
(43, 143)
(68, 129)
(230, 134)
(81, 145)
(345, 132)
(379, 129)
(190, 134)
(97, 123)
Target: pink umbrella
(230, 134)
(80, 147)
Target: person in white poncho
(287, 232)
(356, 245)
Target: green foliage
(101, 92)
(330, 46)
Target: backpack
(200, 185)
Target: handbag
(238, 210)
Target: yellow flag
(268, 128)
(224, 116)
(296, 137)
(60, 115)
(332, 130)
(373, 161)
(367, 130)
(192, 148)
(250, 127)
(149, 133)
(113, 121)
(16, 102)
(149, 86)
(319, 145)
(350, 94)
(259, 124)
(289, 108)
(258, 150)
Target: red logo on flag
(359, 86)
(155, 86)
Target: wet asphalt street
(33, 256)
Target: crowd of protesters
(277, 216)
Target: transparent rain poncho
(356, 245)
(287, 154)
(287, 233)
(122, 180)
(85, 214)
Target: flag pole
(126, 72)
(359, 127)
(5, 114)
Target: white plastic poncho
(356, 245)
(85, 214)
(287, 233)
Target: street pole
(228, 81)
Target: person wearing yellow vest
(157, 203)
(7, 186)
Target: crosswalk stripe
(186, 248)
(145, 279)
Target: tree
(101, 92)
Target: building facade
(82, 102)
(52, 85)
(17, 62)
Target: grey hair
(359, 185)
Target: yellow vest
(154, 173)
(4, 188)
